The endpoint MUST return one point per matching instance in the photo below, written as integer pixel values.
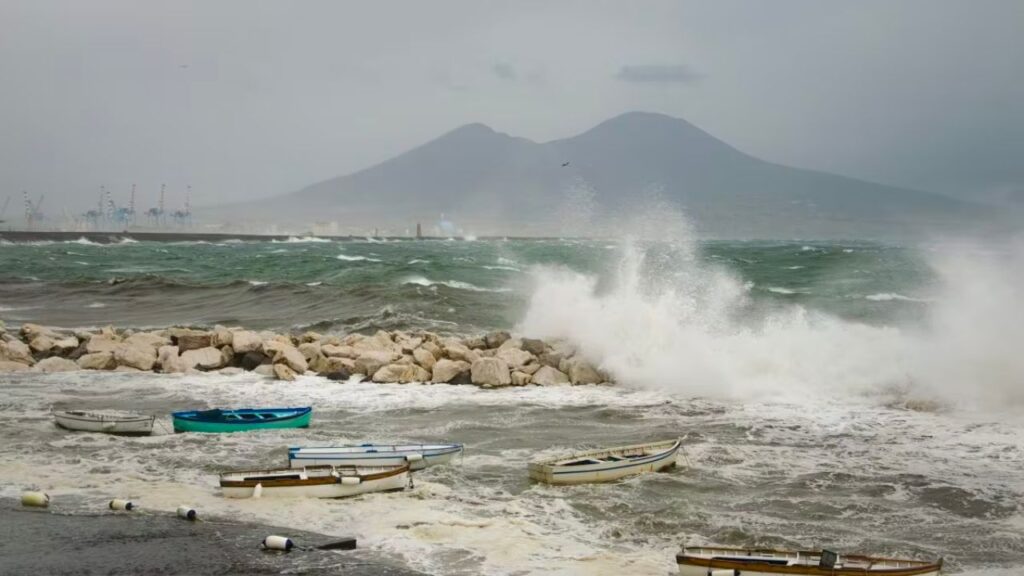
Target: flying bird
(564, 164)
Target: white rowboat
(705, 560)
(108, 422)
(606, 464)
(418, 456)
(314, 481)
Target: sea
(853, 395)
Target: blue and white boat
(606, 464)
(417, 456)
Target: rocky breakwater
(493, 360)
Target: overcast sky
(247, 99)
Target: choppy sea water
(857, 396)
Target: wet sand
(45, 541)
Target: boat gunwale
(553, 464)
(193, 415)
(296, 453)
(101, 417)
(915, 568)
(318, 481)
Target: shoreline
(45, 541)
(493, 360)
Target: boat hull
(322, 486)
(182, 424)
(605, 471)
(417, 458)
(89, 422)
(703, 561)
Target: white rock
(208, 358)
(310, 350)
(548, 376)
(9, 366)
(402, 373)
(97, 361)
(281, 352)
(55, 364)
(142, 357)
(41, 343)
(245, 341)
(102, 343)
(65, 345)
(151, 339)
(369, 362)
(434, 349)
(424, 358)
(520, 378)
(265, 370)
(339, 351)
(170, 362)
(581, 372)
(192, 339)
(490, 372)
(461, 352)
(15, 350)
(222, 337)
(514, 357)
(446, 370)
(283, 372)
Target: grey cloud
(656, 73)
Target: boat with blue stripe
(417, 456)
(606, 464)
(241, 419)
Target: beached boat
(705, 560)
(109, 422)
(606, 464)
(315, 481)
(418, 456)
(242, 419)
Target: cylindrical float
(119, 504)
(414, 457)
(37, 499)
(278, 543)
(258, 490)
(350, 480)
(186, 512)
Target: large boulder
(475, 342)
(495, 339)
(424, 358)
(9, 366)
(281, 352)
(192, 339)
(221, 337)
(370, 362)
(151, 339)
(170, 362)
(514, 357)
(402, 373)
(335, 368)
(409, 343)
(490, 372)
(533, 346)
(310, 350)
(446, 370)
(461, 352)
(520, 378)
(553, 358)
(339, 351)
(102, 343)
(30, 331)
(142, 357)
(227, 356)
(244, 341)
(283, 372)
(65, 345)
(581, 372)
(548, 376)
(434, 349)
(97, 361)
(41, 343)
(530, 368)
(379, 342)
(55, 364)
(208, 358)
(15, 350)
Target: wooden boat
(606, 464)
(109, 422)
(418, 456)
(315, 481)
(242, 419)
(705, 560)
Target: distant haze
(245, 100)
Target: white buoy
(278, 543)
(414, 457)
(258, 490)
(38, 499)
(119, 504)
(186, 512)
(350, 480)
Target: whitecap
(301, 239)
(890, 296)
(419, 261)
(795, 267)
(425, 282)
(780, 290)
(96, 305)
(313, 284)
(257, 282)
(348, 258)
(509, 268)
